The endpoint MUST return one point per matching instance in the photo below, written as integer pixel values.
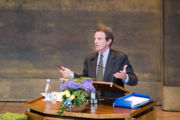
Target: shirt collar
(105, 53)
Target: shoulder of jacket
(117, 53)
(91, 55)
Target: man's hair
(108, 32)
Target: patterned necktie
(99, 76)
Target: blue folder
(123, 102)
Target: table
(38, 109)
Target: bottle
(48, 91)
(93, 98)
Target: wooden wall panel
(171, 83)
(37, 35)
(172, 43)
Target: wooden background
(172, 43)
(37, 35)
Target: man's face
(100, 42)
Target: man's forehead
(99, 33)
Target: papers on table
(59, 96)
(135, 101)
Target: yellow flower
(67, 93)
(71, 97)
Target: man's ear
(109, 41)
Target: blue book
(133, 100)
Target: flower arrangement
(75, 92)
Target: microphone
(112, 81)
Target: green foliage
(13, 116)
(80, 79)
(62, 108)
(80, 98)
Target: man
(106, 64)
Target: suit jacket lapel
(109, 66)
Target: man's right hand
(65, 72)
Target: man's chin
(97, 50)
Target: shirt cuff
(127, 79)
(72, 76)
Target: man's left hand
(122, 74)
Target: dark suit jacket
(115, 62)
